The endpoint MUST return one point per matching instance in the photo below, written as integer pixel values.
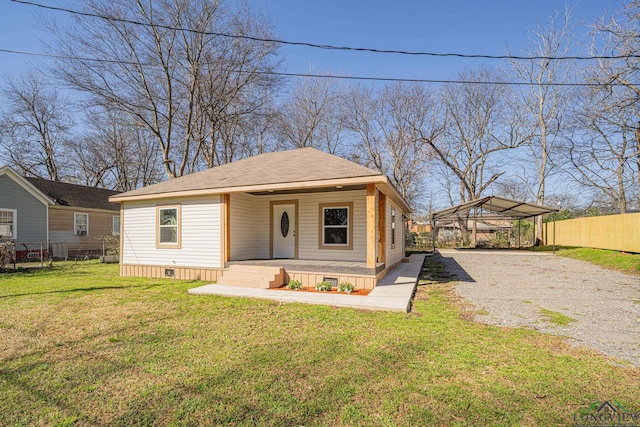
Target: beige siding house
(307, 214)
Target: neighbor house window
(393, 228)
(336, 226)
(8, 226)
(81, 224)
(168, 229)
(115, 225)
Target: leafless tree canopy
(545, 104)
(618, 35)
(480, 125)
(392, 130)
(34, 126)
(189, 90)
(171, 96)
(310, 116)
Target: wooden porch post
(227, 227)
(371, 226)
(382, 227)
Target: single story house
(300, 214)
(61, 218)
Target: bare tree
(36, 123)
(544, 102)
(114, 153)
(618, 36)
(602, 146)
(481, 123)
(310, 115)
(393, 128)
(158, 71)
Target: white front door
(284, 231)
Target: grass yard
(628, 263)
(82, 346)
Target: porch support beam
(382, 227)
(226, 198)
(371, 226)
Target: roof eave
(375, 179)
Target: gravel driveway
(512, 287)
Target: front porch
(393, 293)
(315, 266)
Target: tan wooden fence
(616, 232)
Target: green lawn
(628, 263)
(81, 346)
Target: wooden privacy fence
(615, 232)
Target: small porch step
(252, 276)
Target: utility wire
(324, 76)
(326, 46)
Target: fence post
(554, 234)
(41, 256)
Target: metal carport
(499, 207)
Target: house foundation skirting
(307, 278)
(172, 272)
(311, 278)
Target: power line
(324, 76)
(327, 46)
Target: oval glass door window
(284, 224)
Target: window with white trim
(8, 224)
(115, 225)
(81, 224)
(168, 227)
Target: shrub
(346, 287)
(323, 286)
(295, 285)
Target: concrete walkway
(393, 293)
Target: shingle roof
(65, 194)
(299, 165)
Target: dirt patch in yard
(589, 305)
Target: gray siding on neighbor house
(31, 212)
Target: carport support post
(433, 234)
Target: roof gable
(80, 196)
(24, 183)
(281, 167)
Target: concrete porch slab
(393, 293)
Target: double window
(81, 224)
(8, 226)
(336, 226)
(168, 227)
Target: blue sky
(439, 26)
(470, 27)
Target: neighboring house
(419, 227)
(487, 231)
(309, 214)
(66, 219)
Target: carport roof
(498, 205)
